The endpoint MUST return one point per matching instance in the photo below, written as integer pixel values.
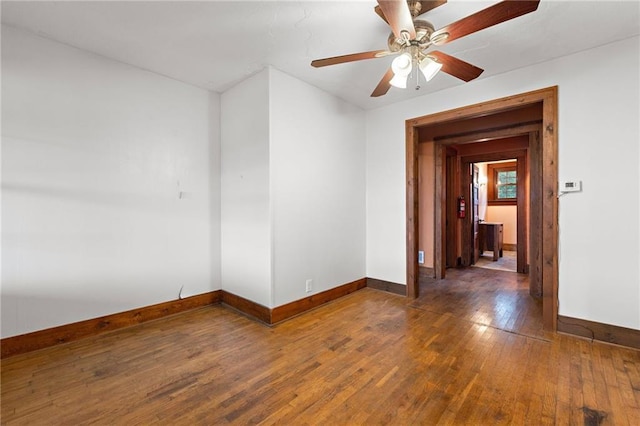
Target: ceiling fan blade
(380, 14)
(456, 67)
(486, 18)
(399, 17)
(349, 58)
(428, 5)
(425, 6)
(383, 86)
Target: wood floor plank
(470, 350)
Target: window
(502, 183)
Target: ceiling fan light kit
(412, 38)
(429, 68)
(401, 67)
(404, 64)
(399, 81)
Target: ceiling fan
(411, 38)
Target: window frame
(492, 183)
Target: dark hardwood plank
(598, 331)
(248, 307)
(454, 355)
(387, 286)
(91, 327)
(297, 307)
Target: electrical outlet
(420, 256)
(309, 286)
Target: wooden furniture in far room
(490, 236)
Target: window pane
(503, 181)
(506, 177)
(507, 191)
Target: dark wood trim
(535, 215)
(452, 183)
(549, 238)
(297, 307)
(490, 135)
(427, 272)
(466, 224)
(440, 217)
(69, 332)
(508, 202)
(472, 135)
(598, 331)
(509, 247)
(494, 156)
(412, 206)
(78, 330)
(522, 213)
(388, 286)
(548, 97)
(247, 307)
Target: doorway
(465, 236)
(493, 120)
(495, 215)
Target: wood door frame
(548, 167)
(521, 157)
(452, 182)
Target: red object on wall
(462, 213)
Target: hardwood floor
(508, 261)
(497, 299)
(470, 350)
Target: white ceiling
(215, 44)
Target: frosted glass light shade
(429, 68)
(402, 64)
(401, 67)
(399, 81)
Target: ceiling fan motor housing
(424, 29)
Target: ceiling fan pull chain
(415, 61)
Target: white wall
(508, 216)
(110, 184)
(386, 210)
(293, 188)
(318, 188)
(599, 279)
(246, 208)
(95, 155)
(215, 164)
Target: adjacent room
(320, 212)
